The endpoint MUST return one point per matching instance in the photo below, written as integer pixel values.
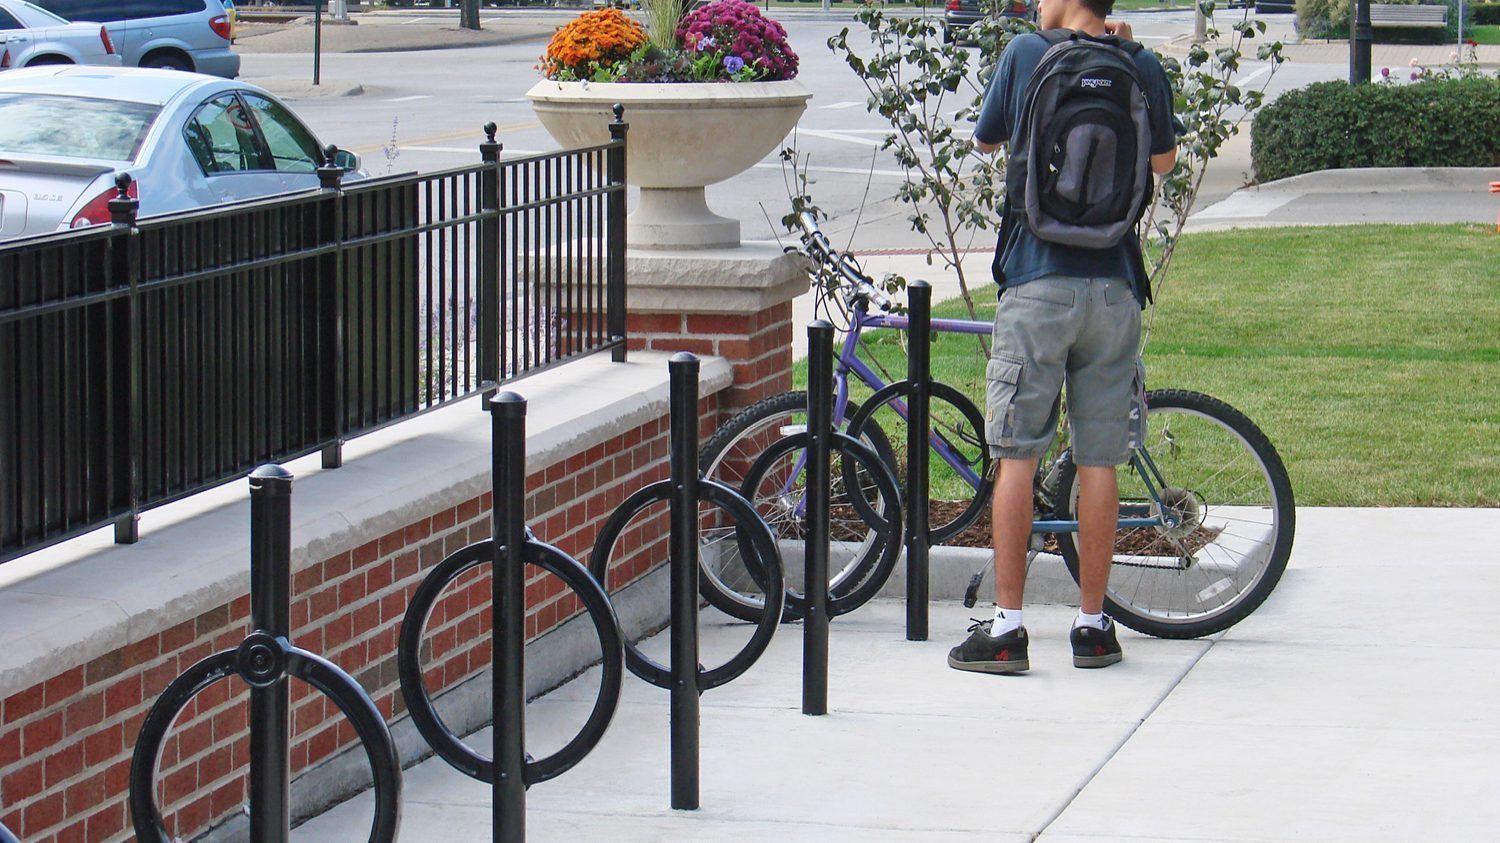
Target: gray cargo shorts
(1086, 331)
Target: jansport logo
(1089, 82)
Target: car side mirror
(346, 160)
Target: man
(1065, 313)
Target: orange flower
(604, 36)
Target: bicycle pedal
(971, 594)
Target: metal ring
(852, 595)
(753, 535)
(424, 714)
(6, 836)
(324, 676)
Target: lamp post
(1360, 36)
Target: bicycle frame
(1133, 516)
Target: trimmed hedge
(1331, 125)
(1485, 14)
(1329, 19)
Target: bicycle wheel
(726, 583)
(958, 474)
(863, 520)
(1225, 484)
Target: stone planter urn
(683, 136)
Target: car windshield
(43, 13)
(73, 127)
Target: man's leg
(1011, 521)
(1098, 510)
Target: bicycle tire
(958, 427)
(727, 457)
(1153, 594)
(846, 592)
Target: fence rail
(149, 360)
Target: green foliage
(1484, 14)
(1330, 19)
(1323, 18)
(1437, 122)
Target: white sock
(1096, 620)
(1005, 621)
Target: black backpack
(1079, 171)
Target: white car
(188, 140)
(31, 36)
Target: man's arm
(1162, 163)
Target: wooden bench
(1395, 14)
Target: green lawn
(1370, 355)
(1489, 34)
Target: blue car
(188, 140)
(190, 35)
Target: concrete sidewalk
(1354, 705)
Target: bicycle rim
(1221, 479)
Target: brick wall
(65, 743)
(758, 345)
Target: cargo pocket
(1001, 375)
(1137, 436)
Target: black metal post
(125, 265)
(318, 41)
(331, 308)
(489, 262)
(1361, 36)
(615, 260)
(508, 630)
(270, 612)
(683, 375)
(815, 551)
(918, 424)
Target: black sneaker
(1093, 647)
(982, 653)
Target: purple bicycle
(1206, 508)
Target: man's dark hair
(1101, 8)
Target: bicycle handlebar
(821, 250)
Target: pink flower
(1415, 76)
(1412, 63)
(1385, 72)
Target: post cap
(271, 477)
(819, 325)
(122, 184)
(508, 404)
(489, 131)
(619, 111)
(920, 285)
(683, 358)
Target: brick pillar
(732, 303)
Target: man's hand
(1120, 29)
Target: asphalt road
(423, 110)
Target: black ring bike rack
(509, 770)
(686, 679)
(917, 389)
(264, 660)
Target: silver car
(170, 34)
(31, 35)
(187, 139)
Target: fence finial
(489, 131)
(619, 110)
(123, 208)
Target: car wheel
(43, 61)
(167, 61)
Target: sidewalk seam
(1128, 735)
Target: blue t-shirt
(1024, 257)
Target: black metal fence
(145, 361)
